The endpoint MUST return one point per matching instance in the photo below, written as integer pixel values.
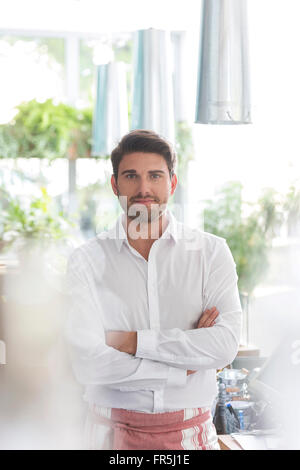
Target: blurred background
(75, 77)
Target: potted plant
(24, 224)
(47, 130)
(248, 229)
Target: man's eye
(155, 176)
(130, 176)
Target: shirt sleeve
(94, 362)
(203, 348)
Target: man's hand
(123, 341)
(206, 320)
(126, 341)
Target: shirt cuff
(146, 344)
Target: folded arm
(201, 348)
(93, 361)
(126, 341)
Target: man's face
(144, 184)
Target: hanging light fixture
(110, 120)
(223, 95)
(152, 106)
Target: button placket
(158, 399)
(152, 291)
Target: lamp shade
(110, 120)
(152, 105)
(223, 94)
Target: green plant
(47, 130)
(37, 220)
(248, 236)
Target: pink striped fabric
(119, 429)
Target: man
(139, 340)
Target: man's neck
(145, 234)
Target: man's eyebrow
(150, 171)
(128, 171)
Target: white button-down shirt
(112, 287)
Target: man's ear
(173, 184)
(114, 185)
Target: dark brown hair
(142, 140)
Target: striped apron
(119, 429)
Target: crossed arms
(126, 341)
(149, 359)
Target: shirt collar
(119, 234)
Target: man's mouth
(144, 201)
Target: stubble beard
(146, 214)
(142, 217)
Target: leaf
(46, 130)
(248, 237)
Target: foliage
(37, 220)
(249, 237)
(47, 130)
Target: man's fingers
(205, 316)
(210, 322)
(208, 318)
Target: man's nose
(144, 186)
